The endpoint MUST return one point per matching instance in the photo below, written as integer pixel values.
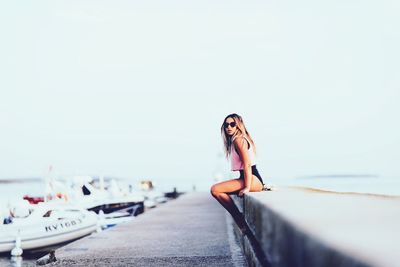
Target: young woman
(240, 147)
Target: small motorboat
(156, 196)
(33, 227)
(149, 204)
(151, 194)
(80, 191)
(114, 218)
(107, 201)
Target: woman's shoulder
(239, 140)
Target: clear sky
(139, 89)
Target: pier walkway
(193, 230)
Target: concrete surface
(189, 231)
(303, 227)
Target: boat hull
(134, 208)
(47, 234)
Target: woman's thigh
(256, 185)
(237, 184)
(229, 186)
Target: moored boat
(44, 225)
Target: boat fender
(17, 250)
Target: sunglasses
(232, 124)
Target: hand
(243, 191)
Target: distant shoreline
(340, 176)
(20, 180)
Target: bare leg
(220, 192)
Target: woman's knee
(214, 190)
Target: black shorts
(254, 171)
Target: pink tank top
(236, 161)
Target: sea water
(362, 184)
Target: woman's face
(230, 126)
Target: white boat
(80, 191)
(151, 194)
(157, 196)
(112, 205)
(46, 225)
(114, 218)
(86, 195)
(149, 204)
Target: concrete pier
(313, 228)
(190, 231)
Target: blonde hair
(241, 131)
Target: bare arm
(242, 149)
